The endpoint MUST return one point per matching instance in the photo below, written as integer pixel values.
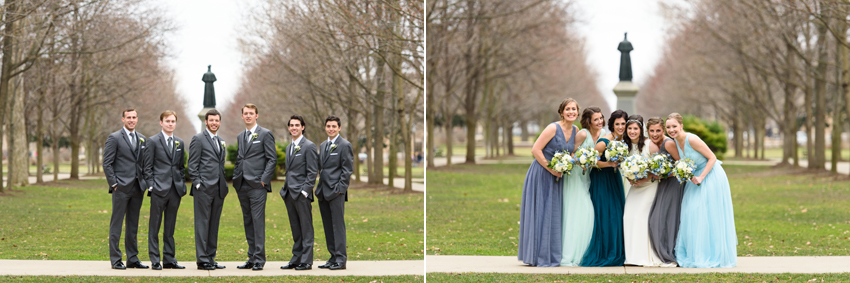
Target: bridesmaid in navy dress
(540, 213)
(607, 247)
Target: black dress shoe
(157, 266)
(119, 265)
(304, 266)
(217, 266)
(136, 265)
(247, 265)
(337, 266)
(206, 266)
(173, 266)
(257, 267)
(289, 266)
(326, 265)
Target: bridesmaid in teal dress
(606, 246)
(578, 209)
(707, 231)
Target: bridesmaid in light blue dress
(707, 231)
(540, 211)
(578, 208)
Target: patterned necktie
(169, 143)
(216, 144)
(133, 141)
(247, 135)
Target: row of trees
(751, 62)
(496, 63)
(359, 60)
(69, 67)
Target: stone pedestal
(626, 92)
(201, 116)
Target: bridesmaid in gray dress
(667, 207)
(540, 212)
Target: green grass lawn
(474, 210)
(69, 220)
(305, 279)
(777, 153)
(700, 277)
(416, 172)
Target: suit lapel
(326, 150)
(251, 141)
(212, 143)
(165, 146)
(289, 156)
(127, 140)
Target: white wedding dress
(639, 200)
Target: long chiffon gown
(636, 221)
(578, 212)
(664, 215)
(540, 211)
(606, 193)
(707, 231)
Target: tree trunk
(790, 129)
(367, 117)
(820, 101)
(5, 72)
(738, 130)
(807, 122)
(509, 138)
(471, 87)
(523, 128)
(39, 141)
(449, 138)
(19, 166)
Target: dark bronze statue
(209, 91)
(625, 61)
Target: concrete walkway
(103, 268)
(510, 264)
(418, 184)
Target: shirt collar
(208, 131)
(128, 132)
(333, 141)
(167, 136)
(298, 140)
(254, 129)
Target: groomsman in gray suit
(122, 164)
(336, 165)
(164, 176)
(302, 165)
(255, 163)
(209, 187)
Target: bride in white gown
(639, 200)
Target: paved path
(418, 184)
(510, 264)
(102, 268)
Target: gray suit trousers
(169, 205)
(207, 218)
(300, 211)
(253, 203)
(129, 205)
(332, 220)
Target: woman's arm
(600, 147)
(537, 150)
(700, 146)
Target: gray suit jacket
(336, 166)
(121, 164)
(164, 165)
(206, 166)
(301, 169)
(255, 160)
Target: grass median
(701, 277)
(474, 210)
(69, 220)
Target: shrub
(712, 133)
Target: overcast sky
(206, 35)
(208, 29)
(603, 22)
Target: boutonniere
(141, 140)
(254, 136)
(223, 144)
(177, 143)
(297, 148)
(333, 146)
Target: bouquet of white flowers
(586, 158)
(616, 151)
(635, 167)
(660, 165)
(562, 162)
(684, 170)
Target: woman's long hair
(641, 142)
